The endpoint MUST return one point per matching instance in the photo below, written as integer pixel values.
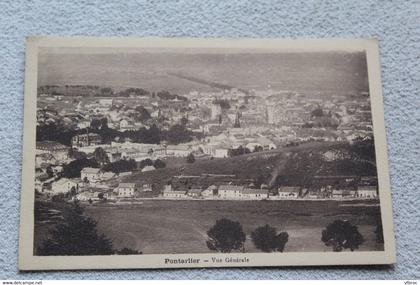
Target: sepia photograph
(159, 153)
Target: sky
(295, 71)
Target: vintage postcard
(163, 153)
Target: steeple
(237, 120)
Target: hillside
(286, 166)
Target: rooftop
(230, 188)
(289, 189)
(127, 185)
(254, 191)
(91, 170)
(50, 145)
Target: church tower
(237, 120)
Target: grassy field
(159, 226)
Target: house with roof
(127, 190)
(367, 192)
(169, 193)
(88, 139)
(108, 175)
(64, 185)
(56, 149)
(266, 143)
(194, 193)
(178, 150)
(312, 194)
(348, 194)
(85, 196)
(210, 192)
(343, 194)
(45, 158)
(230, 191)
(254, 194)
(83, 124)
(289, 192)
(221, 151)
(148, 168)
(90, 174)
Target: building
(347, 194)
(84, 124)
(90, 174)
(312, 194)
(148, 168)
(147, 188)
(230, 191)
(127, 190)
(216, 111)
(289, 192)
(56, 149)
(106, 102)
(86, 140)
(254, 194)
(108, 175)
(194, 193)
(178, 150)
(85, 196)
(210, 192)
(169, 193)
(64, 186)
(114, 156)
(343, 194)
(221, 152)
(367, 192)
(126, 125)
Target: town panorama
(159, 150)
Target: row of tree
(227, 236)
(74, 168)
(176, 134)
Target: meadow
(159, 226)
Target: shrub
(341, 234)
(225, 236)
(266, 239)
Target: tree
(75, 235)
(70, 153)
(100, 156)
(184, 121)
(73, 169)
(225, 236)
(258, 148)
(119, 166)
(146, 162)
(341, 234)
(178, 134)
(127, 251)
(159, 164)
(141, 115)
(318, 112)
(191, 158)
(50, 171)
(95, 124)
(266, 239)
(379, 231)
(224, 104)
